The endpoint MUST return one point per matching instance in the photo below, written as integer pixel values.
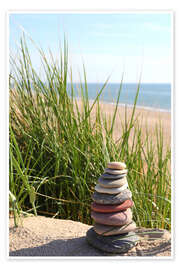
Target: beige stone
(116, 165)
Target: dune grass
(58, 150)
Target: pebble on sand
(112, 244)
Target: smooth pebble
(103, 198)
(110, 208)
(116, 172)
(101, 189)
(116, 165)
(116, 244)
(112, 183)
(115, 219)
(113, 230)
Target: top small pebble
(116, 165)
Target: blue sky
(108, 44)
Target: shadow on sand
(80, 247)
(67, 247)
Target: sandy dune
(41, 236)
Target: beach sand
(147, 118)
(41, 236)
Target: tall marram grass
(58, 149)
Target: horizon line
(126, 82)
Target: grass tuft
(59, 147)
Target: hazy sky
(108, 44)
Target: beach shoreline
(156, 96)
(129, 106)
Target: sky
(109, 44)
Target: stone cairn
(113, 230)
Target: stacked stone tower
(114, 228)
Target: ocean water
(151, 96)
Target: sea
(152, 96)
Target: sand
(41, 236)
(147, 118)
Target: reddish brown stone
(110, 208)
(115, 219)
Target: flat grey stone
(108, 190)
(112, 244)
(116, 172)
(112, 183)
(113, 176)
(103, 198)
